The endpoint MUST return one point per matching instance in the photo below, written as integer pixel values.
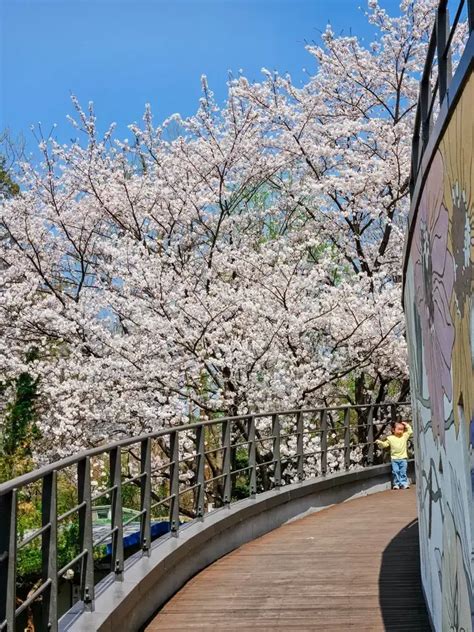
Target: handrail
(440, 44)
(182, 471)
(34, 476)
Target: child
(397, 442)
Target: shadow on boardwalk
(401, 599)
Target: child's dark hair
(394, 423)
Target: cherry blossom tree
(251, 262)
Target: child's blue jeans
(399, 472)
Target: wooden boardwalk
(354, 566)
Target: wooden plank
(354, 566)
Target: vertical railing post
(393, 412)
(414, 161)
(145, 496)
(347, 438)
(117, 559)
(444, 56)
(415, 150)
(49, 546)
(201, 459)
(226, 461)
(276, 449)
(324, 442)
(252, 456)
(174, 483)
(370, 436)
(299, 445)
(8, 521)
(470, 15)
(86, 541)
(425, 93)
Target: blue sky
(122, 54)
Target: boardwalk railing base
(151, 581)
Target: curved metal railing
(165, 478)
(438, 60)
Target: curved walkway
(354, 566)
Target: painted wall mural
(439, 286)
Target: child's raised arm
(408, 429)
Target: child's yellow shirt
(397, 445)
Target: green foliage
(336, 271)
(8, 188)
(29, 558)
(241, 488)
(20, 429)
(18, 426)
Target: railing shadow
(401, 597)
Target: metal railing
(439, 57)
(172, 475)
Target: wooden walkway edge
(354, 566)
